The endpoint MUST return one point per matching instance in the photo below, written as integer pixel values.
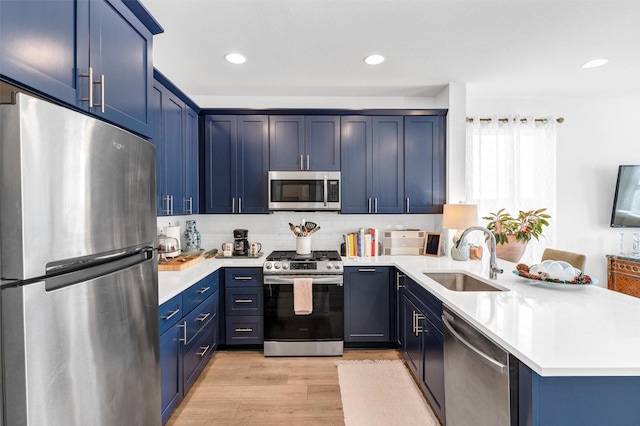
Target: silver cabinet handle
(375, 204)
(203, 290)
(369, 202)
(89, 75)
(241, 278)
(171, 314)
(308, 168)
(239, 205)
(243, 330)
(301, 163)
(419, 328)
(167, 201)
(408, 205)
(203, 316)
(184, 333)
(233, 205)
(243, 301)
(101, 83)
(486, 359)
(367, 270)
(189, 210)
(398, 285)
(203, 350)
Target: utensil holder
(303, 245)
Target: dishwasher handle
(498, 366)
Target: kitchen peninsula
(578, 346)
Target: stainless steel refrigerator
(79, 297)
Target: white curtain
(512, 164)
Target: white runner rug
(381, 393)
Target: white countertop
(556, 330)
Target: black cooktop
(318, 255)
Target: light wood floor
(245, 388)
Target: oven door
(325, 323)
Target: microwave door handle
(325, 190)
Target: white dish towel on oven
(302, 296)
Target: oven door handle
(317, 280)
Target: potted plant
(513, 233)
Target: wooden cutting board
(178, 263)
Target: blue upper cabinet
(94, 55)
(191, 177)
(424, 163)
(372, 155)
(304, 143)
(236, 164)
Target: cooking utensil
(313, 231)
(211, 253)
(310, 226)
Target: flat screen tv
(626, 203)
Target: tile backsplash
(272, 230)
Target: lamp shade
(459, 216)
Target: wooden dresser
(623, 274)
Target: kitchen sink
(460, 281)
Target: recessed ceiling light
(374, 59)
(235, 58)
(595, 63)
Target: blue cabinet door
(322, 142)
(286, 142)
(252, 164)
(411, 340)
(433, 364)
(424, 162)
(94, 55)
(367, 304)
(120, 56)
(236, 162)
(388, 169)
(169, 151)
(357, 174)
(158, 140)
(171, 370)
(190, 167)
(219, 162)
(58, 48)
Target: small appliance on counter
(240, 242)
(172, 232)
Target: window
(511, 164)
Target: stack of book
(362, 243)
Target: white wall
(596, 137)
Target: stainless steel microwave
(304, 190)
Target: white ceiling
(506, 48)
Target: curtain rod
(506, 120)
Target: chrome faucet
(493, 266)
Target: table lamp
(460, 217)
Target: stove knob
(336, 265)
(329, 266)
(285, 265)
(276, 265)
(267, 265)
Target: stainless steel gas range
(320, 333)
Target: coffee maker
(240, 242)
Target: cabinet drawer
(198, 292)
(170, 312)
(243, 277)
(244, 301)
(196, 357)
(200, 318)
(244, 330)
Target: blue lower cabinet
(423, 342)
(171, 370)
(244, 306)
(367, 299)
(189, 335)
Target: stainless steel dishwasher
(480, 378)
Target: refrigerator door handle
(92, 271)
